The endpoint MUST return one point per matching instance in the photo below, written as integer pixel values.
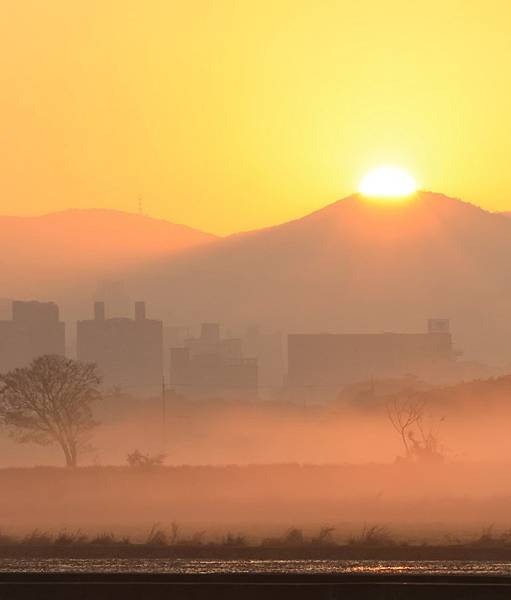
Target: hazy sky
(233, 114)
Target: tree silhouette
(419, 437)
(50, 402)
(403, 414)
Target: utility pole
(163, 413)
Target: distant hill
(355, 265)
(39, 255)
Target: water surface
(195, 567)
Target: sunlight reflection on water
(252, 566)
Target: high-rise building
(33, 330)
(128, 352)
(212, 367)
(113, 293)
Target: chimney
(139, 311)
(99, 311)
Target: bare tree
(403, 414)
(425, 443)
(50, 402)
(418, 434)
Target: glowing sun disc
(387, 182)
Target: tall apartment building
(128, 352)
(34, 329)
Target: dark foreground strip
(113, 586)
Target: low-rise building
(321, 364)
(212, 367)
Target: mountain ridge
(355, 265)
(347, 267)
(79, 246)
(102, 211)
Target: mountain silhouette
(39, 255)
(357, 265)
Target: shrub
(157, 536)
(67, 538)
(373, 535)
(138, 460)
(294, 537)
(38, 538)
(234, 540)
(104, 539)
(324, 536)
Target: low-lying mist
(263, 467)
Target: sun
(387, 182)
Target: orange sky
(233, 114)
